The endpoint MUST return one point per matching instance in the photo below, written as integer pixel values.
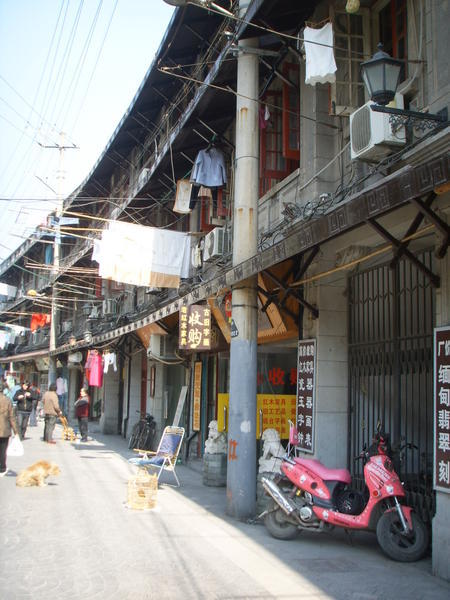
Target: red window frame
(291, 111)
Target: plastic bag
(15, 447)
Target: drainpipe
(241, 469)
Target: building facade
(351, 232)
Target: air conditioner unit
(371, 134)
(161, 346)
(109, 306)
(152, 290)
(217, 243)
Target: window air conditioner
(109, 306)
(216, 243)
(371, 135)
(161, 346)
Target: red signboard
(306, 394)
(442, 409)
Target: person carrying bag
(7, 423)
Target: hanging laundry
(48, 255)
(94, 369)
(320, 63)
(39, 320)
(109, 358)
(183, 196)
(264, 116)
(209, 168)
(144, 256)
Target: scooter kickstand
(257, 518)
(349, 537)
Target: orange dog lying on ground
(37, 474)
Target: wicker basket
(142, 491)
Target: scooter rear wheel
(277, 524)
(397, 545)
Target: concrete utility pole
(241, 471)
(56, 248)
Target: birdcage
(142, 490)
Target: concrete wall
(133, 372)
(330, 331)
(110, 409)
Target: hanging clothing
(39, 320)
(144, 256)
(109, 358)
(182, 197)
(94, 369)
(61, 386)
(209, 168)
(320, 63)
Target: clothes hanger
(319, 24)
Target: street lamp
(381, 76)
(201, 4)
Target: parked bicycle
(143, 433)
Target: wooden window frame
(288, 152)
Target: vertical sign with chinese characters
(442, 409)
(197, 396)
(306, 386)
(195, 327)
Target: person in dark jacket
(35, 397)
(7, 422)
(51, 411)
(82, 413)
(24, 405)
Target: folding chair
(165, 457)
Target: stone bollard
(215, 470)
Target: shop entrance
(391, 320)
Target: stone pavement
(75, 538)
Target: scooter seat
(324, 472)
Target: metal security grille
(390, 371)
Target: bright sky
(71, 67)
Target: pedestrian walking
(51, 412)
(35, 397)
(82, 413)
(7, 422)
(24, 405)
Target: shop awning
(24, 356)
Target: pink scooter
(309, 496)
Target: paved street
(75, 538)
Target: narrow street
(75, 538)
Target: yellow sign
(197, 396)
(272, 411)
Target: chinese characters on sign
(442, 408)
(276, 410)
(197, 396)
(195, 327)
(306, 376)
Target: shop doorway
(391, 320)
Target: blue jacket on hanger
(209, 168)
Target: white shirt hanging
(320, 63)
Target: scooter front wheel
(398, 545)
(277, 524)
